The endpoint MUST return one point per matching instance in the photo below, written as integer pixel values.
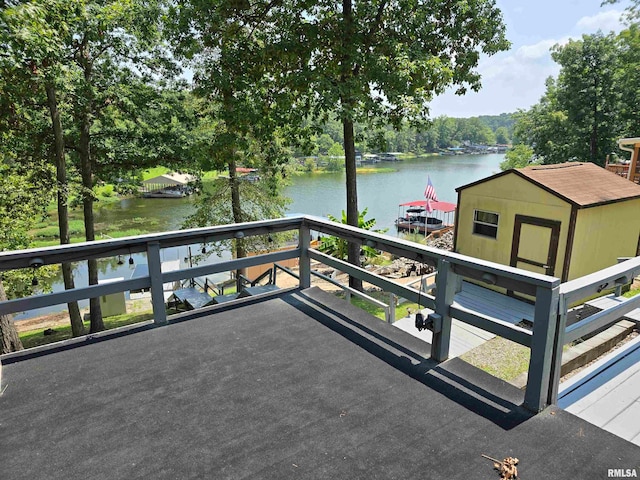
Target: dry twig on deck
(507, 467)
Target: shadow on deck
(301, 385)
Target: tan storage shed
(565, 220)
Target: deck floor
(302, 385)
(607, 394)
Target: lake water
(381, 193)
(315, 194)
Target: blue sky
(515, 79)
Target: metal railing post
(545, 322)
(446, 285)
(556, 362)
(157, 290)
(392, 308)
(305, 260)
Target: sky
(515, 79)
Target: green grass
(52, 231)
(212, 175)
(403, 310)
(375, 170)
(35, 338)
(500, 357)
(154, 172)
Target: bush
(105, 191)
(309, 165)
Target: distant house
(565, 220)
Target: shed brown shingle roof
(583, 184)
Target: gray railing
(451, 267)
(574, 292)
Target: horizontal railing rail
(352, 291)
(11, 260)
(600, 320)
(492, 325)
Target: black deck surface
(298, 386)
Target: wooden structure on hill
(629, 170)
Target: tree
(578, 116)
(517, 157)
(382, 62)
(239, 70)
(336, 150)
(586, 91)
(546, 128)
(90, 57)
(502, 136)
(31, 42)
(325, 142)
(628, 81)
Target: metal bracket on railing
(432, 322)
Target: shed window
(485, 223)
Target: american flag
(430, 192)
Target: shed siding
(507, 196)
(603, 234)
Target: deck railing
(451, 268)
(620, 169)
(574, 292)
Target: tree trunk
(236, 208)
(593, 147)
(240, 249)
(347, 104)
(86, 171)
(87, 205)
(352, 197)
(9, 339)
(77, 327)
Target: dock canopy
(445, 207)
(170, 179)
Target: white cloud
(516, 79)
(538, 50)
(605, 21)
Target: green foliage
(258, 201)
(325, 143)
(334, 164)
(24, 195)
(502, 136)
(338, 247)
(441, 133)
(309, 165)
(104, 191)
(336, 150)
(589, 105)
(415, 237)
(517, 157)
